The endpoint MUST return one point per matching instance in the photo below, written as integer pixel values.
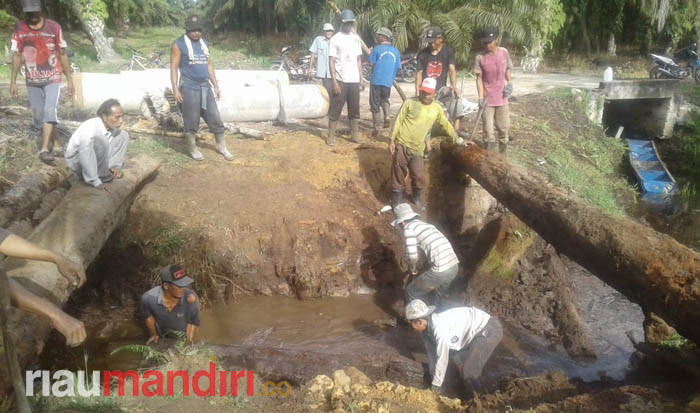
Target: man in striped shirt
(444, 264)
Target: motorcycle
(285, 62)
(667, 68)
(407, 73)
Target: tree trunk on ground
(650, 268)
(94, 27)
(77, 228)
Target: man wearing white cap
(443, 261)
(319, 54)
(471, 335)
(407, 142)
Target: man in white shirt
(319, 54)
(346, 77)
(97, 148)
(469, 333)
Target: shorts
(44, 103)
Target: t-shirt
(320, 48)
(387, 61)
(415, 120)
(198, 68)
(492, 69)
(39, 50)
(436, 66)
(182, 314)
(345, 48)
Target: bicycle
(139, 62)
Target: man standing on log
(470, 334)
(171, 306)
(492, 68)
(97, 148)
(13, 246)
(407, 142)
(346, 77)
(442, 259)
(385, 61)
(190, 55)
(40, 42)
(319, 54)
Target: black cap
(193, 22)
(433, 33)
(489, 34)
(174, 274)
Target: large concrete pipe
(247, 95)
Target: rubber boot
(332, 124)
(355, 130)
(376, 123)
(396, 198)
(502, 147)
(491, 146)
(192, 147)
(221, 146)
(387, 116)
(416, 199)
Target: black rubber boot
(396, 198)
(387, 115)
(416, 199)
(332, 124)
(491, 146)
(355, 130)
(376, 123)
(502, 147)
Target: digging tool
(365, 49)
(10, 353)
(478, 118)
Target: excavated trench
(557, 316)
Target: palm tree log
(649, 268)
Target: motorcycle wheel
(656, 73)
(408, 73)
(274, 66)
(366, 73)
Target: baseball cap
(432, 34)
(174, 274)
(327, 27)
(29, 6)
(193, 22)
(428, 85)
(489, 34)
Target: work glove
(508, 90)
(482, 103)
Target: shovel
(478, 119)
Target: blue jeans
(429, 281)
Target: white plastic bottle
(608, 74)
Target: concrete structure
(650, 106)
(246, 95)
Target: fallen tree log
(25, 195)
(77, 228)
(249, 132)
(649, 268)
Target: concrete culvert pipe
(247, 95)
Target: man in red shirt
(493, 83)
(40, 42)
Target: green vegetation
(168, 242)
(584, 160)
(678, 342)
(502, 257)
(160, 148)
(688, 169)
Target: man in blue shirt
(190, 55)
(319, 53)
(385, 60)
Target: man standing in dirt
(319, 54)
(385, 61)
(443, 261)
(190, 55)
(407, 142)
(13, 246)
(170, 306)
(346, 77)
(493, 84)
(96, 150)
(40, 42)
(437, 61)
(469, 333)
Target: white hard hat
(418, 309)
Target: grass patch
(688, 169)
(168, 242)
(161, 149)
(501, 258)
(678, 342)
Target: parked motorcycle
(285, 62)
(407, 73)
(667, 68)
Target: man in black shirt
(437, 61)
